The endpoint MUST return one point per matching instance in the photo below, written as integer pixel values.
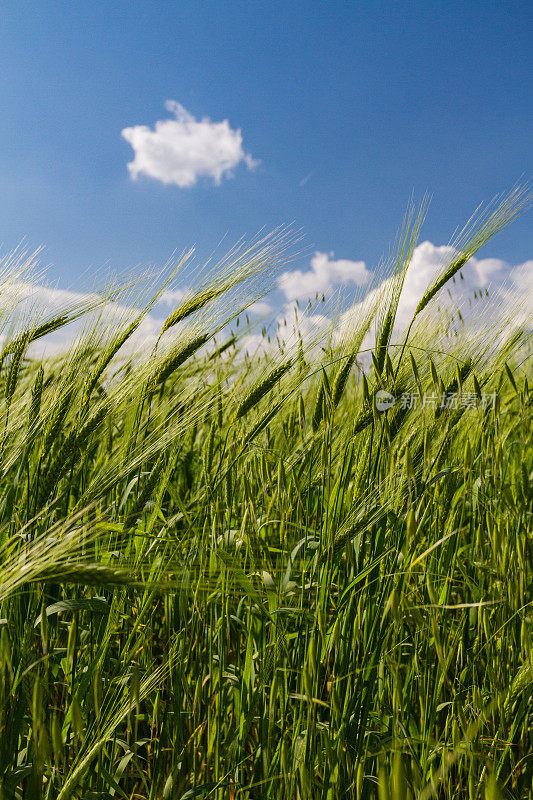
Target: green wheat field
(225, 573)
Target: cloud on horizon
(34, 304)
(182, 150)
(508, 288)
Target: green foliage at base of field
(231, 576)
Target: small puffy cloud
(325, 273)
(522, 277)
(182, 150)
(172, 297)
(260, 308)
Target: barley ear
(36, 395)
(14, 367)
(262, 388)
(174, 361)
(318, 412)
(191, 305)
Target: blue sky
(347, 107)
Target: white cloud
(426, 265)
(172, 297)
(325, 273)
(260, 308)
(522, 277)
(180, 151)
